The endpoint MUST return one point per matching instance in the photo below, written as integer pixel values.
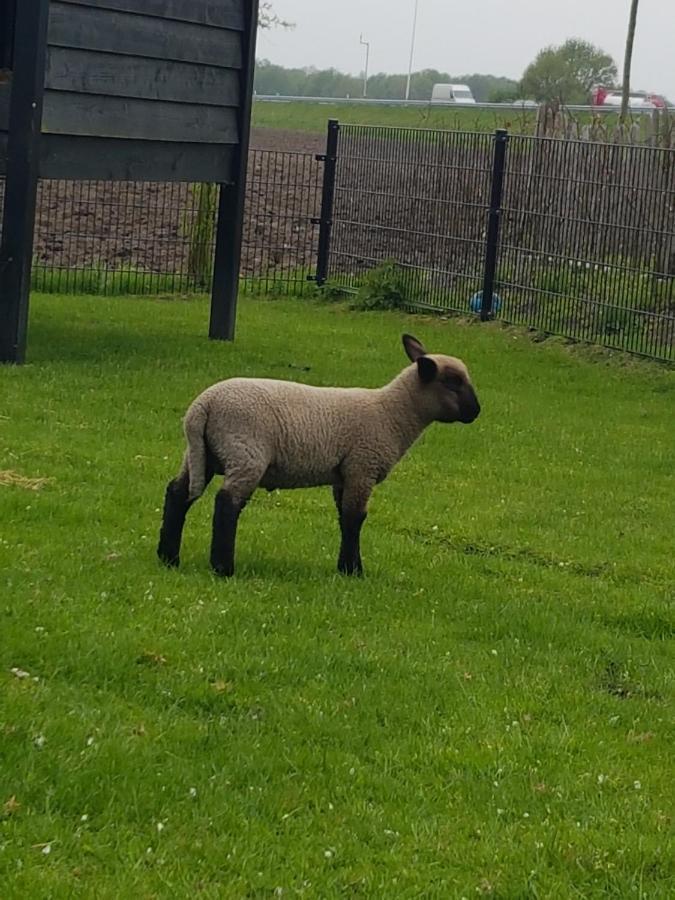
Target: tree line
(310, 82)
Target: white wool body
(281, 434)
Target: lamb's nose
(471, 410)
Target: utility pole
(628, 59)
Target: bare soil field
(147, 226)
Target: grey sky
(460, 36)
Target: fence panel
(134, 238)
(588, 243)
(281, 234)
(419, 197)
(106, 238)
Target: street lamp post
(366, 44)
(412, 52)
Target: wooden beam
(90, 28)
(5, 92)
(23, 147)
(106, 159)
(90, 72)
(120, 117)
(218, 13)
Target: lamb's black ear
(426, 369)
(413, 347)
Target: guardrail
(520, 105)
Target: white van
(452, 93)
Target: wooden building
(122, 90)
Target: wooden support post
(232, 196)
(22, 172)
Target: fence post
(494, 221)
(325, 222)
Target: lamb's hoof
(348, 567)
(222, 570)
(170, 560)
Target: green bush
(200, 232)
(384, 287)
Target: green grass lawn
(487, 712)
(312, 117)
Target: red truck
(604, 96)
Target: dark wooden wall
(7, 9)
(5, 85)
(127, 90)
(132, 80)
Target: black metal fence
(104, 237)
(567, 237)
(416, 197)
(587, 244)
(109, 238)
(281, 223)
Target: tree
(267, 17)
(628, 58)
(568, 73)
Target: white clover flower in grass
(637, 785)
(19, 673)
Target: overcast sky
(498, 37)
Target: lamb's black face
(453, 392)
(451, 395)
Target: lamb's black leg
(337, 496)
(176, 506)
(349, 561)
(351, 506)
(225, 517)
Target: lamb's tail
(194, 426)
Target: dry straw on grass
(8, 478)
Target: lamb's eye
(454, 382)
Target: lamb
(260, 432)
